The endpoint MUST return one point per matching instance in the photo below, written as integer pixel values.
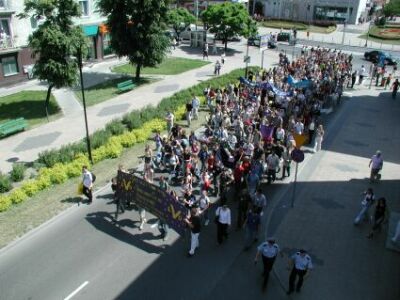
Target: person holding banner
(194, 223)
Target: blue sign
(297, 155)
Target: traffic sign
(297, 155)
(246, 59)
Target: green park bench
(125, 86)
(12, 126)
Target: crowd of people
(250, 132)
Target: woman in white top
(319, 138)
(223, 220)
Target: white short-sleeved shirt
(302, 262)
(268, 250)
(87, 179)
(376, 162)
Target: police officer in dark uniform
(300, 263)
(269, 250)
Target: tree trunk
(46, 104)
(138, 67)
(226, 44)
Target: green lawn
(170, 66)
(386, 35)
(287, 25)
(29, 105)
(107, 90)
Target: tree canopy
(229, 19)
(392, 8)
(137, 30)
(54, 41)
(179, 19)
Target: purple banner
(153, 199)
(266, 131)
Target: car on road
(235, 38)
(375, 55)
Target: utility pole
(366, 40)
(346, 21)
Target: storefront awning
(90, 30)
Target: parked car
(235, 38)
(375, 55)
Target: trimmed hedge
(135, 127)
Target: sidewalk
(351, 39)
(26, 146)
(347, 265)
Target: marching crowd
(251, 129)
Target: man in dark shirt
(194, 223)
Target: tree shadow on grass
(31, 110)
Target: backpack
(93, 177)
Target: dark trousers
(222, 232)
(268, 262)
(286, 169)
(310, 136)
(394, 93)
(295, 272)
(271, 174)
(120, 208)
(88, 193)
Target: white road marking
(76, 291)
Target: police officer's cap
(271, 239)
(302, 251)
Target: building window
(10, 65)
(84, 4)
(2, 3)
(4, 28)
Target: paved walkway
(351, 38)
(26, 146)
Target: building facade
(340, 11)
(15, 55)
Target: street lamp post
(366, 39)
(84, 103)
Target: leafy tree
(179, 19)
(229, 19)
(392, 8)
(136, 29)
(54, 41)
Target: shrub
(141, 135)
(99, 138)
(18, 196)
(18, 172)
(5, 203)
(149, 113)
(43, 182)
(116, 127)
(49, 157)
(127, 139)
(5, 183)
(58, 173)
(154, 125)
(132, 120)
(30, 187)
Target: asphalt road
(82, 255)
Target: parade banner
(300, 84)
(153, 199)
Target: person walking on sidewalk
(205, 51)
(319, 137)
(395, 88)
(194, 223)
(366, 203)
(223, 220)
(379, 217)
(189, 108)
(376, 164)
(301, 264)
(269, 250)
(87, 182)
(195, 107)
